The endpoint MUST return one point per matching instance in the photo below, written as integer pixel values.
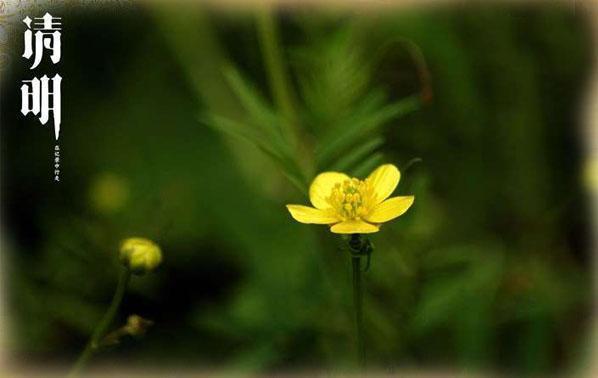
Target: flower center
(350, 198)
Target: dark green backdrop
(489, 269)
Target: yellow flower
(140, 255)
(353, 206)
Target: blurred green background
(194, 127)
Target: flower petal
(321, 188)
(306, 214)
(390, 209)
(384, 180)
(354, 227)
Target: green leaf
(231, 127)
(349, 160)
(354, 132)
(333, 75)
(261, 113)
(279, 156)
(368, 165)
(290, 170)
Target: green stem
(358, 306)
(282, 92)
(277, 76)
(102, 327)
(280, 86)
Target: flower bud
(140, 255)
(136, 325)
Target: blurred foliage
(194, 127)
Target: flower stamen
(350, 198)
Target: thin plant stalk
(103, 325)
(282, 91)
(277, 75)
(358, 307)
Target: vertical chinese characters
(56, 163)
(47, 36)
(36, 96)
(42, 96)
